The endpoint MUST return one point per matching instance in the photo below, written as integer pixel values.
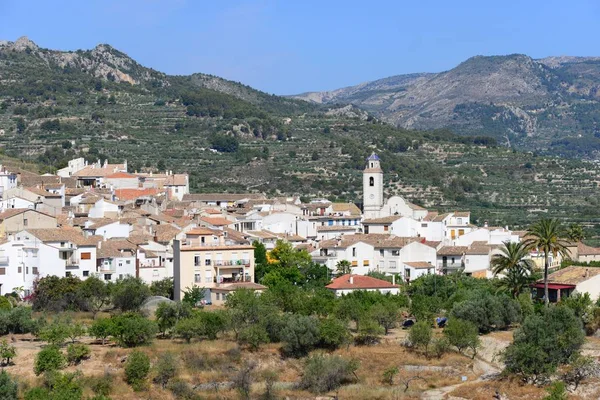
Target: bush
(56, 294)
(137, 368)
(333, 333)
(420, 335)
(389, 375)
(129, 293)
(386, 315)
(299, 335)
(164, 288)
(253, 336)
(193, 296)
(55, 333)
(76, 353)
(324, 373)
(580, 369)
(488, 312)
(543, 342)
(101, 329)
(440, 346)
(131, 329)
(18, 320)
(8, 387)
(101, 385)
(369, 332)
(213, 323)
(167, 314)
(462, 334)
(7, 352)
(49, 359)
(166, 369)
(76, 330)
(242, 381)
(557, 391)
(5, 304)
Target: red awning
(555, 286)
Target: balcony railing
(72, 263)
(246, 278)
(227, 263)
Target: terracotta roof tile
(359, 282)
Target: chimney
(99, 245)
(176, 271)
(351, 279)
(393, 279)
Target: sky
(295, 46)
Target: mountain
(101, 104)
(550, 104)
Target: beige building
(14, 220)
(206, 260)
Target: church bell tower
(372, 187)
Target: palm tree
(514, 262)
(545, 236)
(575, 232)
(343, 267)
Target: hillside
(102, 104)
(550, 105)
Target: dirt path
(485, 366)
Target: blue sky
(293, 46)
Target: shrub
(76, 353)
(167, 314)
(488, 312)
(253, 336)
(48, 359)
(101, 329)
(580, 369)
(299, 335)
(543, 342)
(17, 320)
(55, 333)
(164, 287)
(463, 335)
(5, 304)
(188, 328)
(389, 375)
(386, 315)
(192, 296)
(129, 293)
(368, 332)
(420, 335)
(324, 373)
(63, 386)
(270, 378)
(195, 361)
(8, 387)
(131, 329)
(166, 369)
(333, 333)
(213, 323)
(440, 346)
(242, 381)
(7, 352)
(557, 391)
(101, 385)
(75, 331)
(137, 368)
(52, 293)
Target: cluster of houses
(99, 219)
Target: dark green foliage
(7, 352)
(95, 294)
(52, 293)
(167, 314)
(420, 336)
(300, 334)
(8, 387)
(58, 386)
(5, 304)
(333, 333)
(49, 358)
(488, 312)
(369, 332)
(164, 288)
(462, 334)
(544, 342)
(131, 329)
(192, 296)
(253, 336)
(101, 385)
(101, 329)
(77, 352)
(386, 314)
(440, 346)
(137, 368)
(55, 333)
(166, 368)
(129, 293)
(18, 320)
(225, 143)
(323, 373)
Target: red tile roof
(216, 221)
(132, 194)
(359, 282)
(120, 175)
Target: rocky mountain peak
(21, 44)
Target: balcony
(72, 263)
(230, 263)
(237, 279)
(3, 260)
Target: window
(85, 273)
(207, 261)
(381, 252)
(371, 181)
(34, 253)
(62, 244)
(407, 273)
(34, 270)
(25, 221)
(355, 263)
(86, 256)
(67, 274)
(395, 252)
(20, 269)
(176, 190)
(218, 296)
(392, 264)
(107, 277)
(2, 271)
(128, 262)
(423, 225)
(461, 232)
(354, 252)
(452, 260)
(365, 263)
(120, 264)
(386, 228)
(120, 276)
(27, 270)
(459, 221)
(196, 261)
(197, 278)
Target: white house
(73, 166)
(349, 283)
(116, 259)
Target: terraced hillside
(101, 104)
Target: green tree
(334, 333)
(137, 368)
(323, 373)
(101, 329)
(96, 294)
(131, 329)
(420, 336)
(253, 336)
(386, 315)
(463, 335)
(193, 295)
(129, 293)
(167, 314)
(7, 353)
(55, 333)
(21, 125)
(343, 267)
(48, 359)
(515, 262)
(77, 352)
(300, 335)
(8, 387)
(575, 232)
(545, 236)
(163, 287)
(487, 311)
(543, 342)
